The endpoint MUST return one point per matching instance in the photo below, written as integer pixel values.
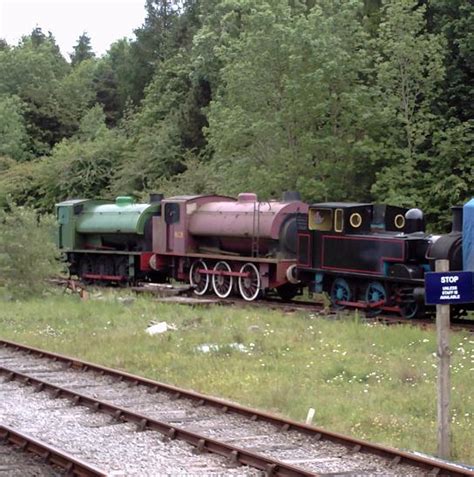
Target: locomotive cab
(340, 218)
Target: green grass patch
(370, 381)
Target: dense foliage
(23, 268)
(342, 100)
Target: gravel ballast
(290, 447)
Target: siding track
(306, 306)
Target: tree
(169, 124)
(33, 73)
(451, 178)
(14, 140)
(37, 37)
(372, 12)
(82, 50)
(121, 61)
(454, 19)
(154, 41)
(292, 110)
(23, 268)
(409, 75)
(76, 94)
(83, 166)
(107, 95)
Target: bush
(27, 252)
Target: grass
(370, 381)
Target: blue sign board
(449, 288)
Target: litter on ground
(161, 327)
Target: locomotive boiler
(247, 227)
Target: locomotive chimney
(291, 196)
(415, 221)
(457, 219)
(156, 197)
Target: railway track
(457, 324)
(123, 403)
(43, 460)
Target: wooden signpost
(444, 376)
(443, 289)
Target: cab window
(320, 219)
(172, 213)
(339, 220)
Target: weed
(371, 381)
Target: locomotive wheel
(222, 284)
(199, 280)
(287, 291)
(249, 287)
(409, 306)
(103, 266)
(122, 268)
(374, 293)
(409, 310)
(340, 291)
(85, 266)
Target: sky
(103, 20)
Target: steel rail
(424, 323)
(354, 444)
(311, 306)
(272, 467)
(383, 318)
(48, 453)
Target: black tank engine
(372, 257)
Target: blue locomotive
(375, 257)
